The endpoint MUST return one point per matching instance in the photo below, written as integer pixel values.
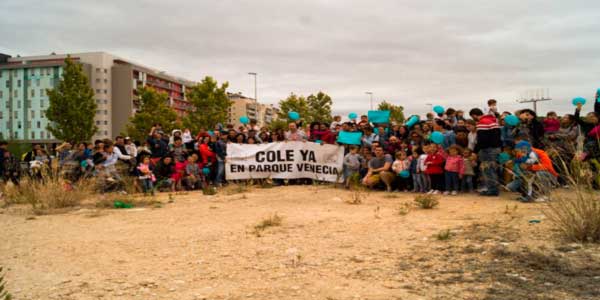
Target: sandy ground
(204, 247)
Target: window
(16, 134)
(33, 114)
(48, 71)
(42, 133)
(43, 114)
(97, 122)
(28, 124)
(105, 80)
(19, 104)
(7, 84)
(16, 115)
(32, 72)
(42, 103)
(97, 111)
(105, 122)
(105, 132)
(97, 69)
(42, 92)
(105, 101)
(38, 124)
(37, 82)
(1, 72)
(33, 135)
(1, 94)
(1, 115)
(97, 91)
(19, 125)
(16, 93)
(32, 93)
(98, 101)
(97, 80)
(106, 91)
(105, 71)
(105, 112)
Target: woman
(164, 170)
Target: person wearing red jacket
(535, 174)
(435, 168)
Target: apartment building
(23, 81)
(241, 106)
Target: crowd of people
(478, 152)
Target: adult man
(488, 147)
(379, 169)
(293, 134)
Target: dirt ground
(207, 247)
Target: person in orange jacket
(534, 174)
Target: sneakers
(435, 192)
(446, 193)
(430, 192)
(454, 193)
(489, 194)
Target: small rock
(548, 283)
(172, 289)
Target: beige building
(241, 106)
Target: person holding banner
(293, 134)
(379, 170)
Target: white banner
(284, 160)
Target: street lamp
(255, 75)
(370, 94)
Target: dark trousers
(451, 181)
(437, 181)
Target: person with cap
(534, 173)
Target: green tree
(319, 107)
(396, 111)
(153, 108)
(312, 108)
(72, 106)
(210, 105)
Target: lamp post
(370, 94)
(255, 94)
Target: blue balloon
(438, 109)
(244, 120)
(205, 171)
(404, 174)
(352, 116)
(211, 133)
(293, 115)
(437, 137)
(412, 121)
(511, 120)
(578, 100)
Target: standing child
(146, 176)
(470, 162)
(413, 168)
(551, 123)
(435, 169)
(422, 168)
(454, 168)
(352, 163)
(402, 163)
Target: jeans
(451, 181)
(467, 183)
(146, 185)
(489, 168)
(533, 185)
(418, 183)
(220, 177)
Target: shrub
(356, 198)
(209, 190)
(4, 295)
(404, 208)
(576, 214)
(49, 194)
(444, 235)
(426, 201)
(271, 221)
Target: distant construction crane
(535, 96)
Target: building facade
(23, 81)
(242, 106)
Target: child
(413, 169)
(352, 163)
(402, 163)
(492, 108)
(551, 123)
(435, 169)
(192, 180)
(422, 168)
(146, 176)
(470, 162)
(454, 168)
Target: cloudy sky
(450, 53)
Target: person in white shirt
(294, 134)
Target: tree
(210, 105)
(312, 108)
(72, 106)
(294, 103)
(319, 107)
(396, 111)
(153, 108)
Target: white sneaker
(435, 192)
(446, 193)
(430, 192)
(454, 193)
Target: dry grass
(271, 221)
(444, 235)
(4, 295)
(356, 198)
(50, 195)
(235, 188)
(576, 214)
(426, 201)
(404, 208)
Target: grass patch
(426, 201)
(4, 295)
(271, 221)
(404, 208)
(234, 188)
(356, 198)
(443, 235)
(576, 215)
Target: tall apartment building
(241, 106)
(23, 81)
